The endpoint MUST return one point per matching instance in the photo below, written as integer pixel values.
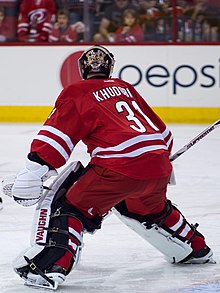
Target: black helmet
(97, 60)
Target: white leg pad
(43, 209)
(42, 217)
(173, 249)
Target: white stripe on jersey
(134, 153)
(130, 142)
(169, 141)
(59, 133)
(54, 144)
(165, 134)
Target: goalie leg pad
(55, 232)
(169, 232)
(61, 249)
(64, 240)
(173, 249)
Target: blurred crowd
(109, 21)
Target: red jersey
(60, 35)
(118, 127)
(134, 34)
(35, 19)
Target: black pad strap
(149, 219)
(90, 225)
(37, 271)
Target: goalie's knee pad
(170, 233)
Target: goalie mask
(96, 60)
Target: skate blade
(45, 285)
(201, 261)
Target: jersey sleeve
(23, 22)
(63, 129)
(50, 19)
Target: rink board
(181, 82)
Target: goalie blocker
(57, 235)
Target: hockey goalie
(128, 174)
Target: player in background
(129, 172)
(35, 21)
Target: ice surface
(115, 259)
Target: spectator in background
(35, 21)
(59, 4)
(62, 30)
(83, 12)
(162, 30)
(101, 5)
(4, 28)
(130, 31)
(149, 13)
(111, 21)
(209, 33)
(204, 16)
(184, 23)
(10, 11)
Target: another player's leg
(166, 229)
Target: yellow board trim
(188, 115)
(168, 114)
(24, 113)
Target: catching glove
(27, 187)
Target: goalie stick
(195, 140)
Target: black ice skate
(51, 279)
(204, 255)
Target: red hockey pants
(99, 189)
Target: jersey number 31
(122, 106)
